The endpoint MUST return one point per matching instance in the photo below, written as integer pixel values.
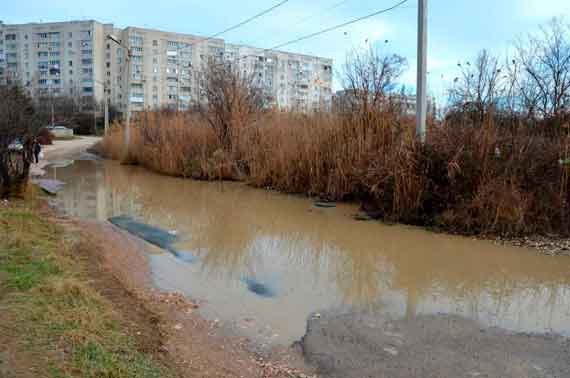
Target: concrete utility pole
(421, 99)
(128, 83)
(106, 104)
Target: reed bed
(470, 177)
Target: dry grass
(470, 177)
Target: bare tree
(368, 77)
(18, 125)
(543, 64)
(478, 86)
(231, 100)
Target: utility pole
(421, 90)
(106, 111)
(128, 83)
(106, 104)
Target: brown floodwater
(315, 259)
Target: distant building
(76, 59)
(348, 99)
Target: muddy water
(314, 259)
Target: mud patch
(369, 345)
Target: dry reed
(469, 177)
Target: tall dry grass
(471, 177)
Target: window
(41, 35)
(71, 72)
(87, 71)
(87, 52)
(137, 49)
(54, 53)
(87, 89)
(154, 60)
(10, 37)
(41, 54)
(108, 46)
(155, 69)
(87, 62)
(154, 42)
(109, 73)
(70, 35)
(70, 44)
(42, 81)
(136, 40)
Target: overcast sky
(458, 29)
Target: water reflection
(318, 258)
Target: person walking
(37, 150)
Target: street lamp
(128, 116)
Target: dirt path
(61, 150)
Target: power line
(246, 21)
(312, 35)
(332, 7)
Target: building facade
(164, 69)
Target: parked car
(59, 131)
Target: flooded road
(312, 260)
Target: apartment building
(294, 81)
(165, 69)
(54, 59)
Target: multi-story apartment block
(295, 81)
(164, 69)
(54, 59)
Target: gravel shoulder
(362, 344)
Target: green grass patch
(50, 309)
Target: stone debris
(270, 370)
(546, 245)
(391, 350)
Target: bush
(45, 137)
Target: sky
(457, 29)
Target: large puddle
(313, 259)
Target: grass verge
(54, 321)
